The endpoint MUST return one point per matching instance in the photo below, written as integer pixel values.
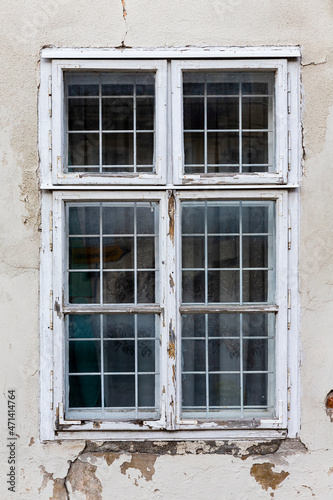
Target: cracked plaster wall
(85, 471)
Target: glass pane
(255, 286)
(258, 325)
(82, 89)
(83, 149)
(118, 89)
(84, 253)
(119, 391)
(146, 393)
(223, 325)
(146, 325)
(118, 287)
(255, 251)
(255, 219)
(144, 148)
(146, 253)
(223, 251)
(118, 326)
(255, 355)
(223, 286)
(146, 287)
(119, 356)
(83, 114)
(118, 253)
(224, 355)
(233, 101)
(193, 325)
(193, 252)
(84, 287)
(255, 147)
(146, 355)
(146, 219)
(222, 113)
(84, 391)
(224, 390)
(193, 355)
(255, 389)
(193, 219)
(222, 147)
(117, 114)
(194, 148)
(255, 112)
(118, 220)
(84, 356)
(84, 326)
(193, 390)
(223, 219)
(83, 220)
(145, 114)
(193, 286)
(118, 149)
(193, 113)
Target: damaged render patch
(143, 463)
(266, 477)
(81, 477)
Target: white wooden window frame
(169, 310)
(59, 176)
(57, 190)
(280, 122)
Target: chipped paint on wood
(266, 477)
(57, 308)
(172, 342)
(171, 214)
(143, 463)
(172, 283)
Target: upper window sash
(68, 127)
(274, 73)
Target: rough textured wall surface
(80, 470)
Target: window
(167, 246)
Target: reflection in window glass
(110, 122)
(228, 122)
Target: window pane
(116, 106)
(228, 252)
(128, 363)
(84, 253)
(84, 391)
(227, 368)
(83, 114)
(117, 114)
(234, 113)
(122, 254)
(83, 149)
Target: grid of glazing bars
(87, 222)
(96, 137)
(93, 384)
(236, 410)
(268, 297)
(98, 276)
(240, 79)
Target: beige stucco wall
(54, 470)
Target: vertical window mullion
(205, 123)
(102, 362)
(240, 128)
(241, 364)
(136, 364)
(135, 257)
(100, 126)
(134, 127)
